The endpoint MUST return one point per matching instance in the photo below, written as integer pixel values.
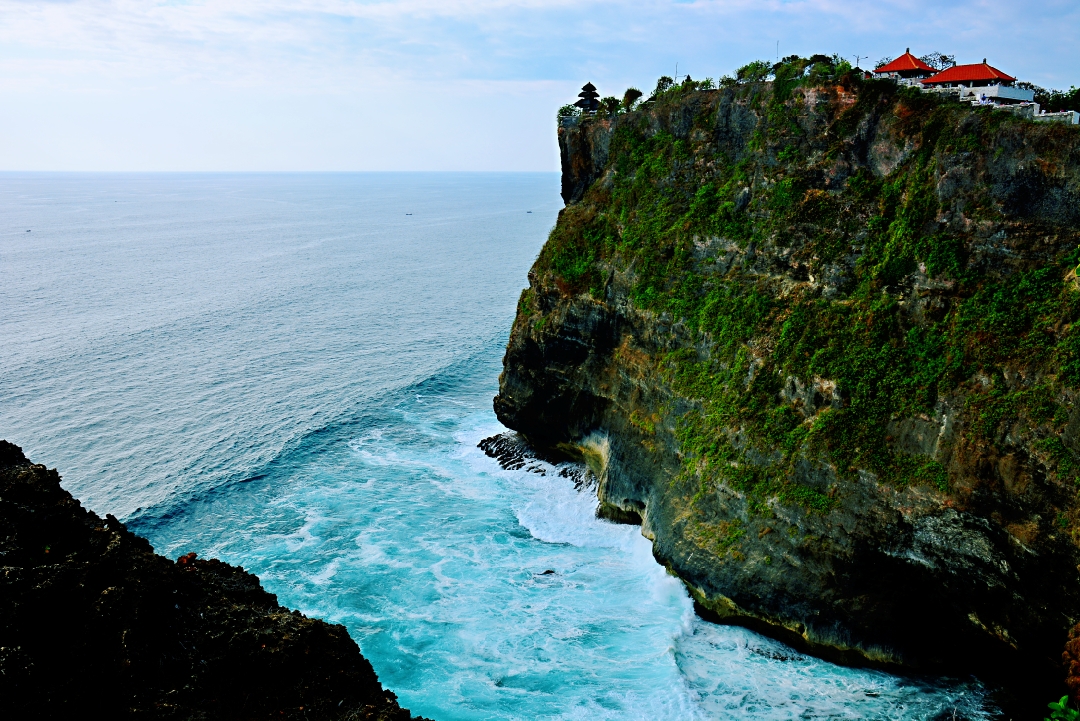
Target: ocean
(291, 372)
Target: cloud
(324, 41)
(261, 63)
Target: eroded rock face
(92, 620)
(975, 571)
(1071, 659)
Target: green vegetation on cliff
(820, 334)
(893, 313)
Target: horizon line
(262, 172)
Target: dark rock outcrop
(973, 572)
(1071, 658)
(92, 620)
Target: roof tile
(968, 73)
(907, 61)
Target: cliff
(92, 620)
(818, 337)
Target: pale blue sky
(423, 84)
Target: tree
(754, 72)
(610, 105)
(1058, 100)
(662, 84)
(630, 97)
(568, 111)
(883, 62)
(939, 61)
(1053, 101)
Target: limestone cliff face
(819, 341)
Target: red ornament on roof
(906, 63)
(974, 73)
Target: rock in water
(92, 620)
(511, 452)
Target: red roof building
(906, 66)
(969, 76)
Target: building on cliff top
(976, 83)
(983, 84)
(588, 98)
(968, 76)
(980, 82)
(906, 69)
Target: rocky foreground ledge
(92, 619)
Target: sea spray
(479, 592)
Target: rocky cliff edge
(819, 338)
(92, 621)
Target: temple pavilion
(906, 67)
(969, 76)
(980, 81)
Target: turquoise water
(290, 373)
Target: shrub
(1057, 100)
(1060, 710)
(630, 97)
(754, 72)
(609, 105)
(568, 111)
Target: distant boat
(528, 211)
(408, 214)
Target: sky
(474, 85)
